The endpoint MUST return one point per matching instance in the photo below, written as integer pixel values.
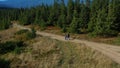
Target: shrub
(24, 34)
(31, 35)
(5, 24)
(64, 29)
(22, 31)
(4, 63)
(117, 41)
(17, 50)
(109, 33)
(10, 46)
(42, 25)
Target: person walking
(67, 36)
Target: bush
(10, 46)
(17, 50)
(117, 41)
(31, 35)
(109, 33)
(4, 63)
(42, 25)
(92, 35)
(5, 24)
(22, 31)
(24, 34)
(64, 29)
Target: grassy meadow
(43, 52)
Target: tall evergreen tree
(62, 17)
(94, 8)
(98, 24)
(84, 17)
(23, 18)
(88, 3)
(5, 24)
(116, 5)
(70, 8)
(100, 17)
(74, 26)
(77, 5)
(54, 13)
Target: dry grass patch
(48, 53)
(8, 34)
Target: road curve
(113, 52)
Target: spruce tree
(84, 17)
(50, 21)
(98, 24)
(70, 8)
(88, 3)
(94, 8)
(62, 17)
(74, 26)
(116, 12)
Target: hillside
(43, 52)
(34, 37)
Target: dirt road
(110, 51)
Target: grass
(76, 56)
(48, 53)
(43, 52)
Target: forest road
(111, 51)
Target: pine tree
(42, 24)
(61, 21)
(99, 24)
(54, 13)
(62, 17)
(88, 3)
(94, 8)
(84, 17)
(5, 24)
(111, 19)
(74, 26)
(37, 17)
(70, 8)
(116, 5)
(33, 34)
(77, 5)
(23, 18)
(50, 21)
(101, 27)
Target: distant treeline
(97, 18)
